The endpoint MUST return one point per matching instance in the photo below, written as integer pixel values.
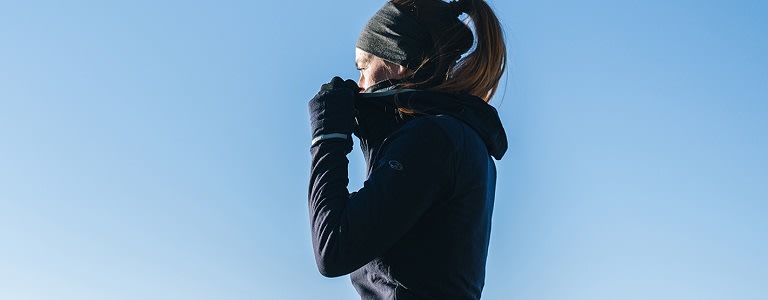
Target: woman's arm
(412, 172)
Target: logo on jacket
(396, 165)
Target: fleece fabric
(419, 227)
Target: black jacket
(419, 227)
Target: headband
(396, 36)
(401, 34)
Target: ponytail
(449, 68)
(479, 72)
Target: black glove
(332, 110)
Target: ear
(402, 71)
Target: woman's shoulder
(441, 123)
(434, 129)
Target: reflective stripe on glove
(332, 110)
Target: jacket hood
(473, 111)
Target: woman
(419, 227)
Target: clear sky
(159, 149)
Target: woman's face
(374, 69)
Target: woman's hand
(332, 110)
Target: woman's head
(425, 43)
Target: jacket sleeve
(410, 174)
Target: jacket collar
(379, 113)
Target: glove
(332, 110)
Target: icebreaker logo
(396, 165)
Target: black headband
(396, 36)
(401, 34)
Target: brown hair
(448, 68)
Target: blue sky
(160, 150)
